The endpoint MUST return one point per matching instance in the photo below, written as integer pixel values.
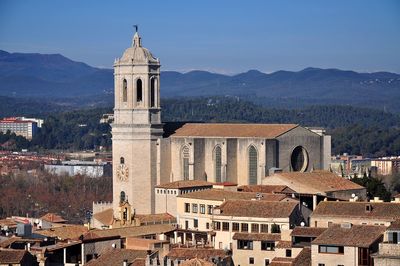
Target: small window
(217, 225)
(251, 260)
(254, 228)
(122, 160)
(195, 223)
(124, 91)
(202, 208)
(267, 245)
(207, 225)
(266, 263)
(235, 227)
(245, 227)
(264, 228)
(139, 91)
(321, 264)
(194, 208)
(225, 226)
(209, 209)
(289, 253)
(152, 92)
(187, 207)
(245, 244)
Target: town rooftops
(221, 195)
(64, 232)
(53, 218)
(117, 257)
(257, 236)
(265, 188)
(156, 218)
(105, 217)
(257, 208)
(12, 256)
(135, 230)
(394, 226)
(307, 231)
(185, 184)
(376, 210)
(354, 236)
(191, 253)
(313, 182)
(265, 131)
(196, 262)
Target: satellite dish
(302, 224)
(353, 195)
(113, 245)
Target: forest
(354, 130)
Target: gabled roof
(378, 210)
(185, 184)
(155, 218)
(53, 218)
(257, 208)
(12, 256)
(105, 217)
(117, 257)
(209, 130)
(191, 253)
(265, 188)
(257, 236)
(314, 182)
(221, 195)
(64, 232)
(135, 230)
(355, 236)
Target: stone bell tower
(137, 128)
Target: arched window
(122, 196)
(153, 92)
(253, 162)
(121, 160)
(124, 90)
(185, 162)
(139, 91)
(217, 164)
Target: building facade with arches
(148, 152)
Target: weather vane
(136, 26)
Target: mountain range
(53, 75)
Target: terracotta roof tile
(135, 230)
(185, 184)
(257, 237)
(307, 231)
(220, 194)
(265, 131)
(316, 182)
(265, 188)
(117, 257)
(304, 258)
(105, 217)
(196, 262)
(12, 256)
(257, 208)
(53, 218)
(191, 253)
(284, 244)
(356, 236)
(394, 225)
(64, 232)
(381, 210)
(155, 218)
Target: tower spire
(137, 41)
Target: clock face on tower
(122, 172)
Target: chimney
(125, 263)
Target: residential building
(347, 244)
(21, 127)
(328, 213)
(389, 249)
(75, 167)
(252, 216)
(387, 165)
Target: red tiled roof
(117, 257)
(381, 210)
(257, 208)
(257, 236)
(307, 231)
(356, 236)
(155, 218)
(265, 188)
(105, 217)
(265, 131)
(64, 232)
(53, 218)
(191, 253)
(185, 184)
(196, 262)
(220, 194)
(284, 244)
(12, 256)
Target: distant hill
(38, 75)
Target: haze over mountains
(42, 75)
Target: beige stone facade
(147, 152)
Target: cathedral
(148, 152)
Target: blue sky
(219, 36)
